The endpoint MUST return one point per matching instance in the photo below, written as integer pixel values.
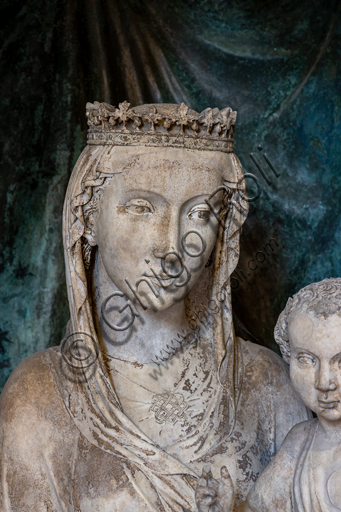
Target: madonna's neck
(132, 334)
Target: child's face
(315, 362)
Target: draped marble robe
(68, 443)
(301, 478)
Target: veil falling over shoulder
(88, 392)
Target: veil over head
(88, 392)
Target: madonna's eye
(138, 207)
(200, 212)
(306, 360)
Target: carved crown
(161, 125)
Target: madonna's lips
(164, 283)
(166, 280)
(160, 281)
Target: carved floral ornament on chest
(161, 125)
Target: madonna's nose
(161, 253)
(168, 238)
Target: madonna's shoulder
(263, 360)
(31, 389)
(266, 386)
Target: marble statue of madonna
(150, 384)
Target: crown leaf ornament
(161, 125)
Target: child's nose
(325, 380)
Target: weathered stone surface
(151, 238)
(277, 64)
(305, 474)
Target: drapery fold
(254, 57)
(90, 397)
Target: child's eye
(306, 360)
(199, 212)
(138, 207)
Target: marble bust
(305, 475)
(150, 384)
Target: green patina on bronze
(277, 64)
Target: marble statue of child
(305, 474)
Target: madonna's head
(156, 183)
(152, 226)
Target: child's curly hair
(322, 298)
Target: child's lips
(330, 404)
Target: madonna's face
(315, 362)
(154, 231)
